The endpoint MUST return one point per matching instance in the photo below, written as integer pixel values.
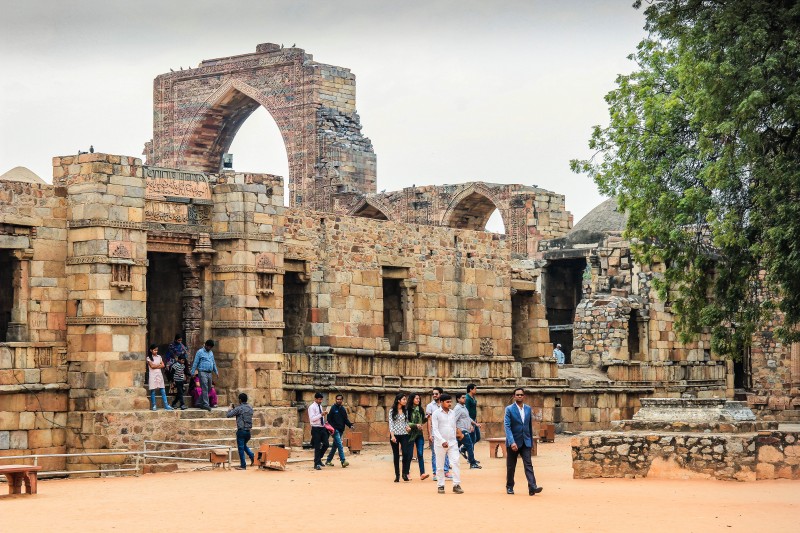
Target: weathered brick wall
(33, 371)
(462, 296)
(733, 456)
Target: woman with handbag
(416, 421)
(398, 436)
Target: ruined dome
(22, 174)
(604, 219)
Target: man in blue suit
(518, 422)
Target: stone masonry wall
(742, 457)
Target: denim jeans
(419, 443)
(242, 436)
(163, 397)
(205, 384)
(337, 446)
(433, 461)
(476, 435)
(466, 442)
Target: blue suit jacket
(517, 431)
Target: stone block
(19, 440)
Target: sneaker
(329, 463)
(448, 475)
(474, 465)
(169, 408)
(441, 490)
(434, 478)
(457, 489)
(345, 464)
(317, 467)
(154, 408)
(183, 408)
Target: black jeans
(404, 445)
(319, 441)
(178, 393)
(511, 466)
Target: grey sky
(448, 91)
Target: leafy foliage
(702, 150)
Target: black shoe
(405, 478)
(509, 490)
(534, 491)
(207, 408)
(474, 465)
(396, 479)
(317, 467)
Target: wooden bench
(500, 443)
(19, 474)
(270, 456)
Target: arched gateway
(197, 113)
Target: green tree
(702, 150)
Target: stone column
(192, 303)
(408, 341)
(18, 327)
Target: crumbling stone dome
(604, 219)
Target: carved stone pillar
(192, 302)
(18, 326)
(408, 341)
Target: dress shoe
(405, 478)
(457, 489)
(317, 467)
(535, 490)
(397, 479)
(252, 460)
(509, 490)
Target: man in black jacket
(337, 417)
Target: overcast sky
(448, 91)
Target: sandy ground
(364, 497)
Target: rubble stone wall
(737, 456)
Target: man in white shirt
(319, 435)
(559, 355)
(443, 429)
(429, 410)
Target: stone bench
(19, 474)
(500, 443)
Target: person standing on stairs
(244, 423)
(155, 378)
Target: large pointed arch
(472, 207)
(216, 123)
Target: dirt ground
(363, 497)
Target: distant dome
(604, 218)
(22, 174)
(599, 222)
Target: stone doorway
(7, 268)
(295, 311)
(563, 292)
(164, 299)
(522, 324)
(392, 313)
(742, 373)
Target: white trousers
(452, 452)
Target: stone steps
(791, 416)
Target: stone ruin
(346, 290)
(686, 438)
